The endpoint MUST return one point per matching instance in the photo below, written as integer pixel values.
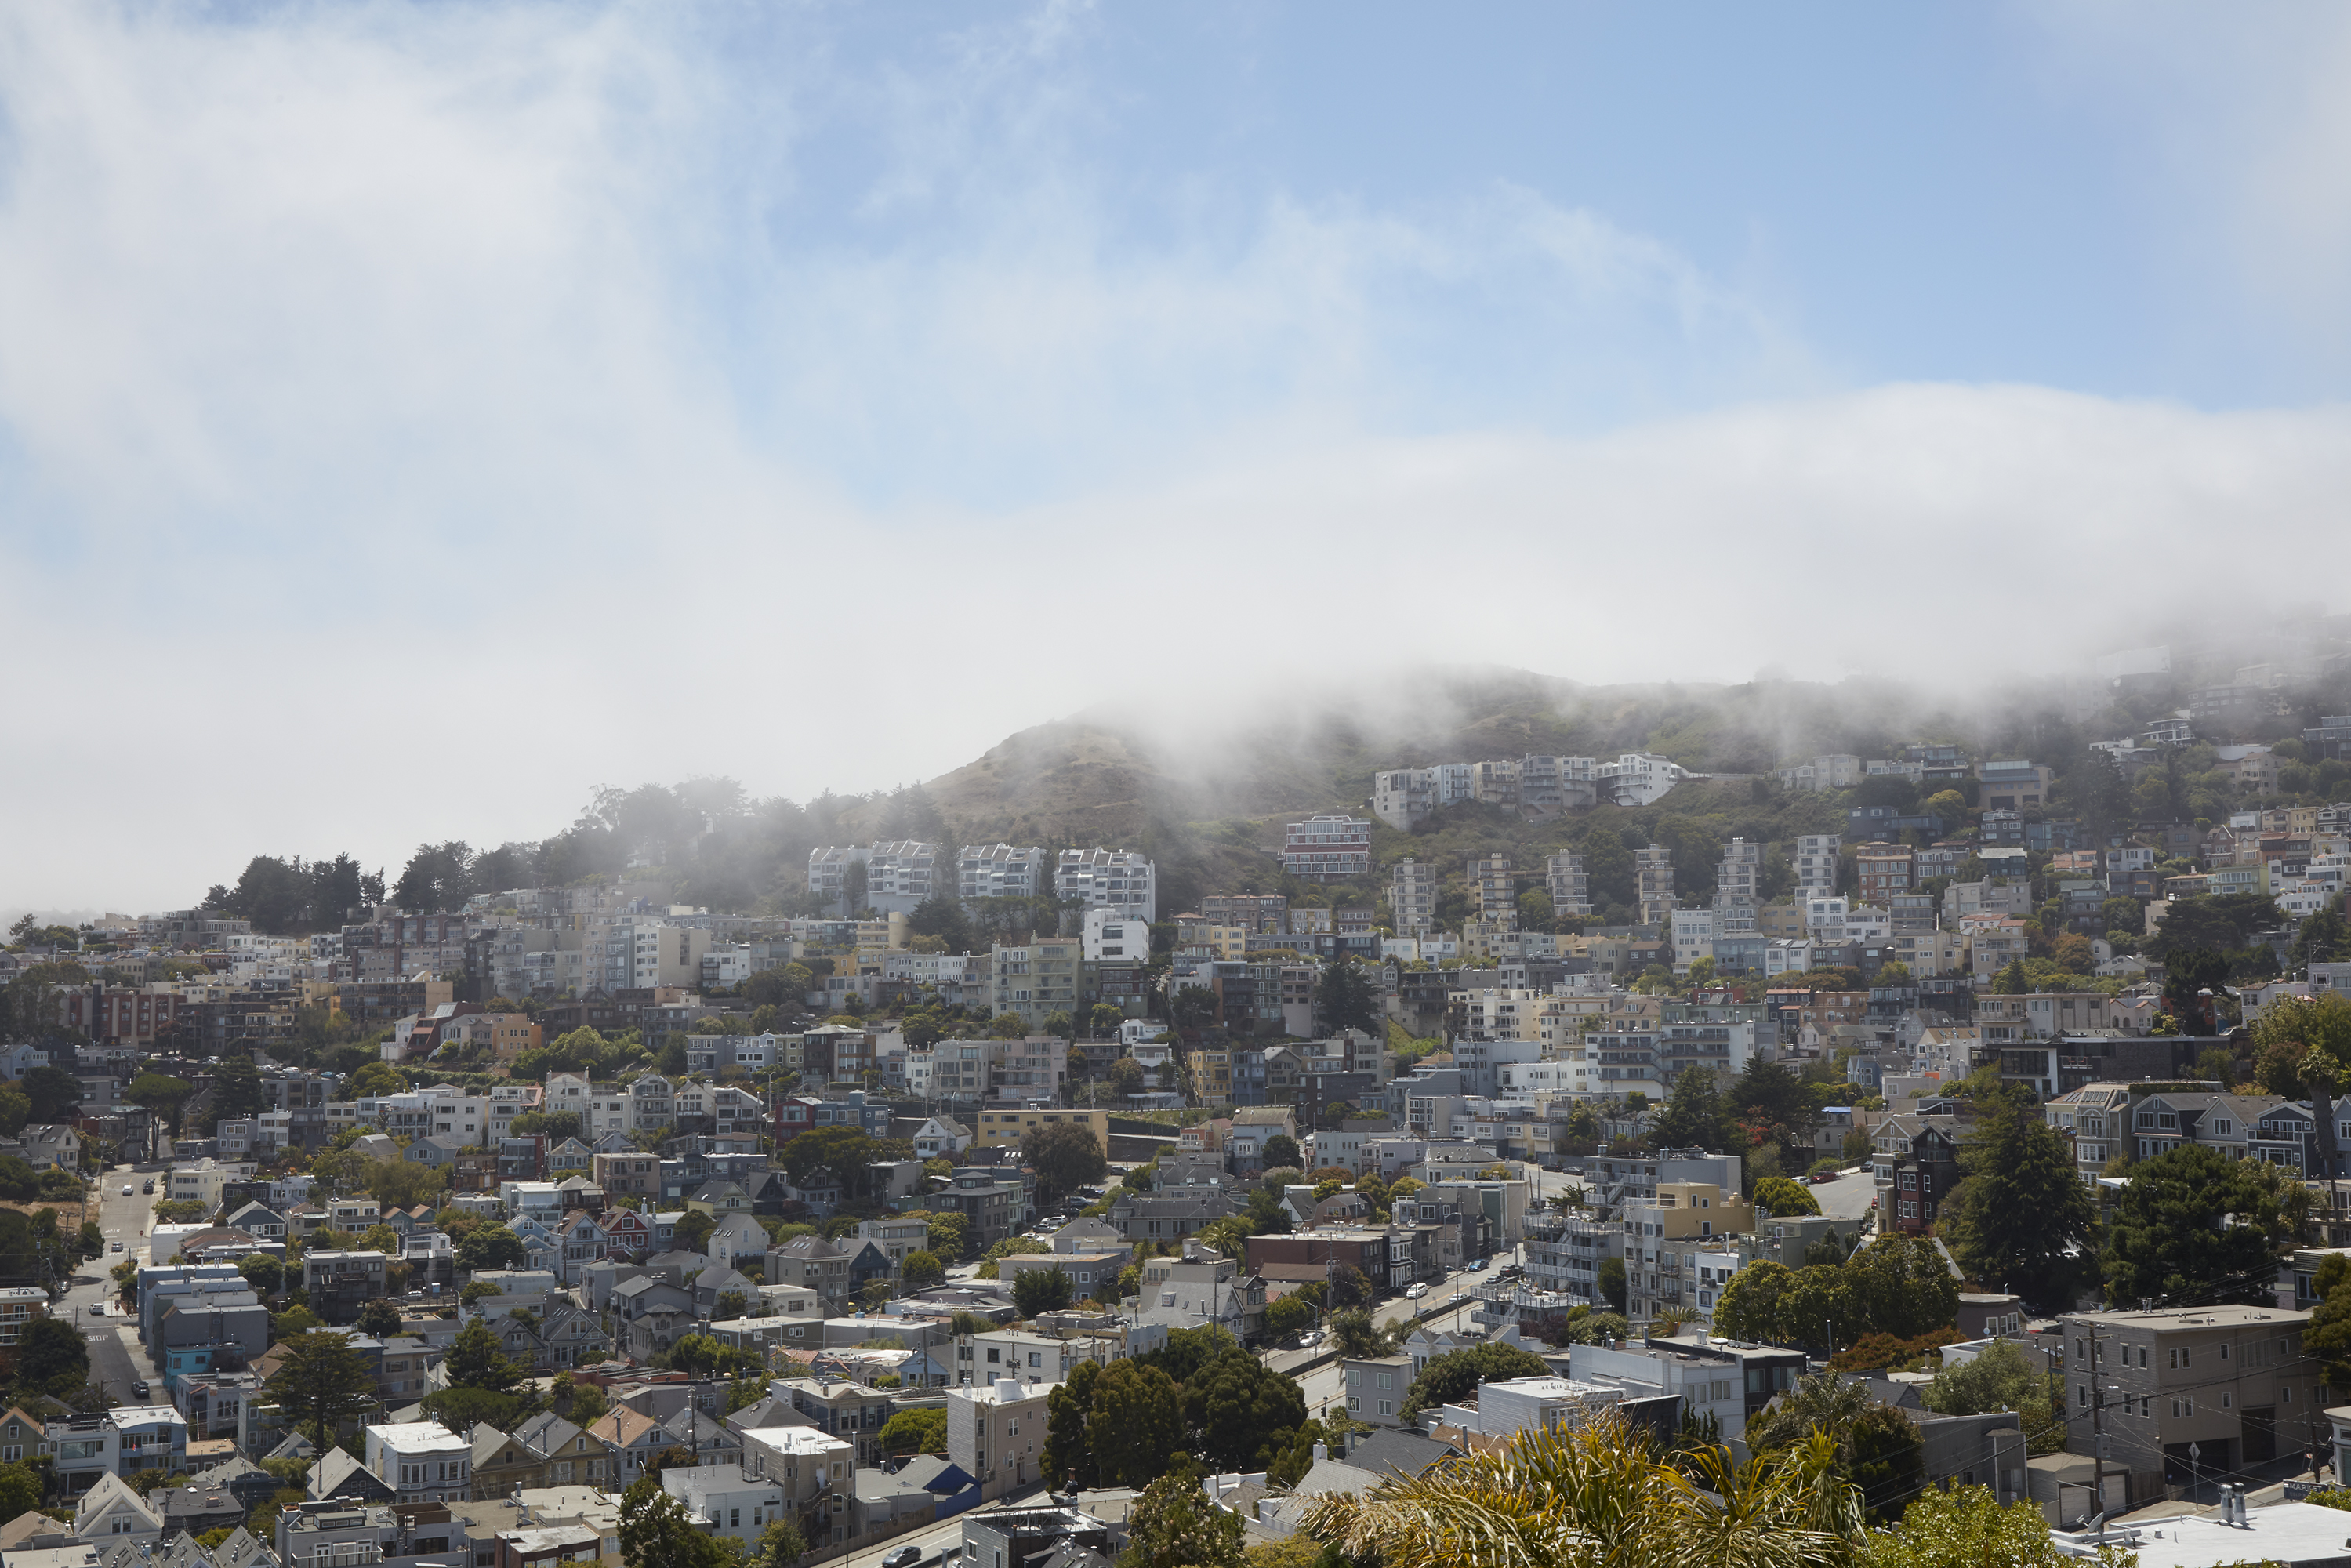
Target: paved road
(1849, 1196)
(116, 1359)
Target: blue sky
(387, 374)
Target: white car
(1414, 1291)
(126, 1189)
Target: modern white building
(1108, 879)
(996, 1433)
(721, 1500)
(1328, 849)
(1412, 898)
(1816, 863)
(1640, 777)
(422, 1461)
(1112, 936)
(999, 870)
(899, 874)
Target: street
(1849, 1196)
(1323, 1386)
(116, 1359)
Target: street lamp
(2195, 1477)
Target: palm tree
(1591, 1494)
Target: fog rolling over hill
(1111, 773)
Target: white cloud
(410, 419)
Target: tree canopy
(2194, 1220)
(2022, 1219)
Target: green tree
(915, 1432)
(1240, 1413)
(1611, 1278)
(781, 1544)
(1457, 1373)
(2011, 981)
(1281, 1149)
(1038, 1290)
(160, 1093)
(2001, 1378)
(922, 1270)
(476, 1360)
(1353, 1336)
(2023, 1218)
(1290, 1315)
(1594, 1494)
(20, 1489)
(237, 1092)
(1785, 1198)
(1065, 1156)
(52, 1356)
(1692, 1116)
(949, 1235)
(1877, 1449)
(1137, 1422)
(693, 1230)
(264, 1273)
(1898, 1285)
(321, 1382)
(489, 1247)
(1963, 1528)
(1749, 1307)
(1347, 998)
(2167, 1237)
(1069, 1460)
(656, 1532)
(1174, 1525)
(54, 1091)
(379, 1318)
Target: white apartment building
(422, 1461)
(1412, 898)
(999, 870)
(899, 873)
(1826, 917)
(1108, 879)
(1738, 883)
(1816, 863)
(1640, 778)
(1114, 938)
(1493, 893)
(995, 1432)
(1694, 934)
(1328, 849)
(1571, 887)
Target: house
(810, 1465)
(259, 1222)
(570, 1336)
(815, 1263)
(995, 1432)
(630, 1439)
(737, 1236)
(110, 1512)
(578, 1241)
(721, 1501)
(627, 1233)
(2232, 1380)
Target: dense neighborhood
(1965, 1128)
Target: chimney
(1321, 1452)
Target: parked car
(1456, 1297)
(905, 1557)
(139, 1386)
(1477, 1266)
(149, 1185)
(1414, 1291)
